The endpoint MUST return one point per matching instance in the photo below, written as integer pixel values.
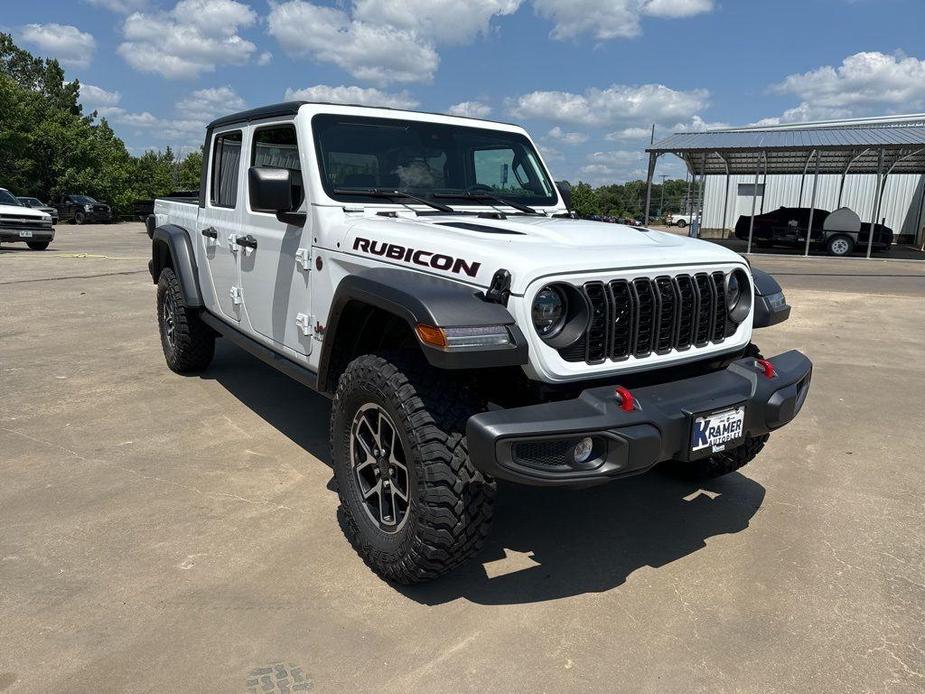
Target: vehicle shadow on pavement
(549, 543)
(545, 543)
(294, 410)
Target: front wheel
(38, 245)
(723, 463)
(681, 224)
(80, 218)
(413, 505)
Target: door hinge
(304, 322)
(235, 293)
(232, 246)
(303, 257)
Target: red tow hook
(767, 367)
(627, 401)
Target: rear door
(220, 222)
(275, 273)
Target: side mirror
(270, 189)
(565, 190)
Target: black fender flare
(767, 314)
(171, 247)
(416, 298)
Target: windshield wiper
(468, 194)
(392, 194)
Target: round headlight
(738, 296)
(549, 310)
(733, 291)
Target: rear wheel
(681, 223)
(188, 343)
(413, 505)
(839, 245)
(38, 245)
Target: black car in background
(839, 232)
(82, 209)
(37, 204)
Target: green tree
(190, 171)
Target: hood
(472, 249)
(17, 211)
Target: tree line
(629, 199)
(49, 146)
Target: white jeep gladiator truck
(425, 272)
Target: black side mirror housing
(270, 189)
(565, 190)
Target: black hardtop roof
(290, 108)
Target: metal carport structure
(881, 149)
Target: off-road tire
(38, 245)
(79, 218)
(839, 246)
(193, 343)
(450, 502)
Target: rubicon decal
(438, 261)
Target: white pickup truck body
(425, 272)
(274, 291)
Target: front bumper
(530, 444)
(39, 234)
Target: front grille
(644, 316)
(17, 223)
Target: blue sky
(586, 77)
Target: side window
(226, 160)
(277, 147)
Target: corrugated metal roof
(788, 151)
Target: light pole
(661, 204)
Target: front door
(275, 273)
(221, 222)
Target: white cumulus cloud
(470, 109)
(93, 97)
(866, 83)
(72, 47)
(369, 51)
(612, 19)
(195, 36)
(441, 21)
(616, 105)
(121, 6)
(352, 95)
(569, 138)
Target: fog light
(583, 450)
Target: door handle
(246, 241)
(210, 233)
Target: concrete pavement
(162, 533)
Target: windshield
(31, 202)
(83, 199)
(428, 158)
(7, 198)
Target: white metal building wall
(901, 198)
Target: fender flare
(171, 247)
(767, 314)
(416, 298)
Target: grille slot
(643, 316)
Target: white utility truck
(426, 273)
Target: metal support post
(812, 205)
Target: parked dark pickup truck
(839, 232)
(82, 209)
